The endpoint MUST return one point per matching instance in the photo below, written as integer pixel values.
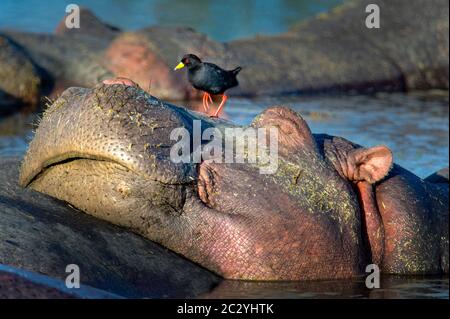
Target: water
(221, 20)
(414, 126)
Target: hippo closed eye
(331, 207)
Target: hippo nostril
(124, 190)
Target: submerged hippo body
(330, 209)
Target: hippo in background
(330, 209)
(20, 80)
(333, 52)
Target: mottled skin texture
(417, 210)
(43, 235)
(331, 52)
(106, 151)
(406, 219)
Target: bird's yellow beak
(179, 66)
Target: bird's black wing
(219, 77)
(215, 70)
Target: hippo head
(106, 151)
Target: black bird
(209, 78)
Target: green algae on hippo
(330, 209)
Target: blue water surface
(221, 20)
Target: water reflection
(391, 287)
(221, 20)
(15, 133)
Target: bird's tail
(236, 70)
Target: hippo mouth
(28, 178)
(108, 190)
(90, 124)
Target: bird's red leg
(205, 104)
(222, 103)
(206, 99)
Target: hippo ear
(369, 164)
(293, 132)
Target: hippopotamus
(331, 207)
(333, 52)
(40, 236)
